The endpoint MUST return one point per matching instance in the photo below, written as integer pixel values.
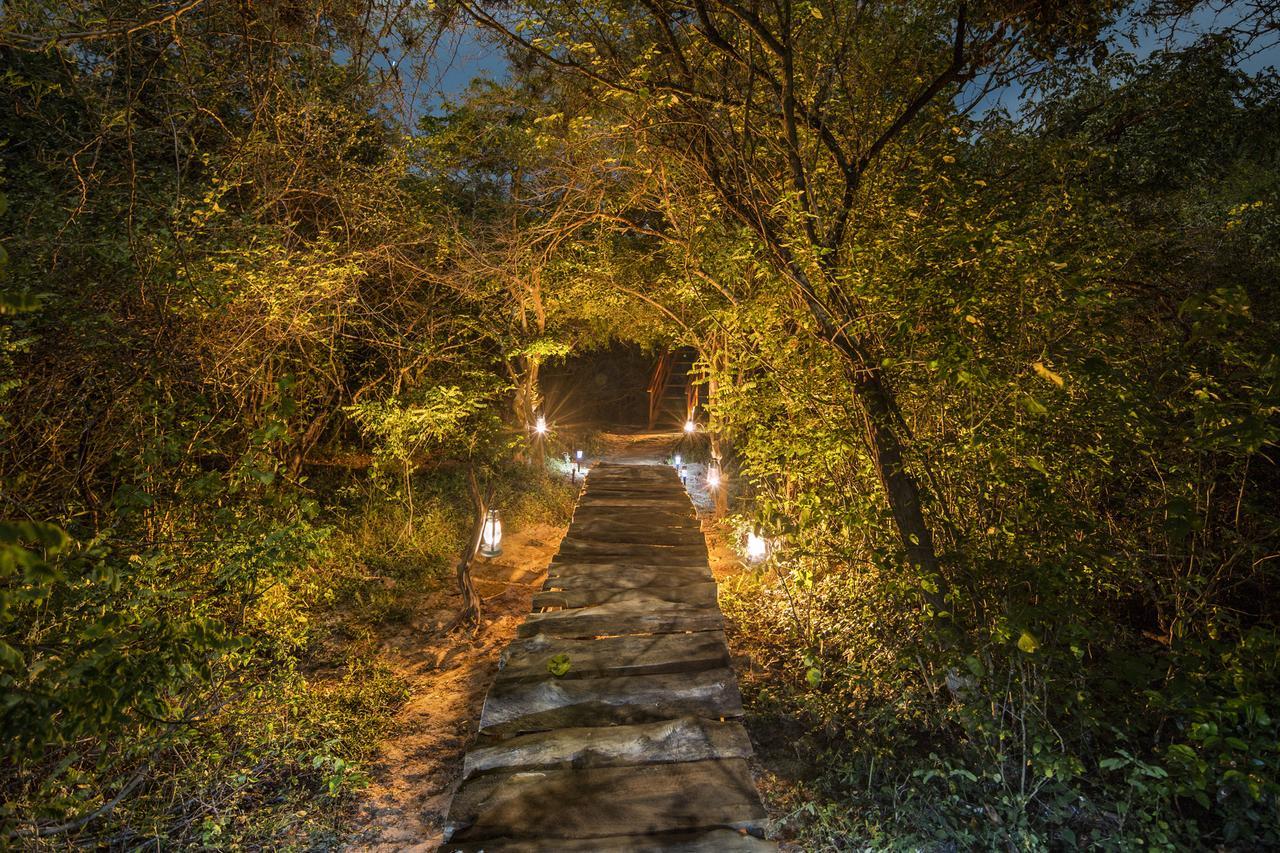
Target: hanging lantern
(540, 426)
(757, 546)
(677, 462)
(690, 426)
(491, 535)
(579, 456)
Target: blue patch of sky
(1256, 54)
(456, 57)
(465, 53)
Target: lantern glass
(491, 535)
(690, 426)
(757, 547)
(677, 460)
(713, 476)
(579, 455)
(540, 426)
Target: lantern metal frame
(491, 535)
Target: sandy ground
(413, 780)
(415, 777)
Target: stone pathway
(610, 726)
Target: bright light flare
(579, 455)
(757, 547)
(690, 426)
(540, 426)
(677, 461)
(713, 478)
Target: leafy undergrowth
(870, 740)
(230, 698)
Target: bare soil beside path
(420, 763)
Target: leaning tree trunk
(524, 405)
(470, 613)
(879, 407)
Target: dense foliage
(229, 356)
(1001, 385)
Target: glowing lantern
(757, 546)
(540, 426)
(690, 426)
(579, 455)
(713, 476)
(677, 461)
(491, 535)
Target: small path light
(757, 546)
(713, 475)
(677, 461)
(491, 535)
(579, 457)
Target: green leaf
(1033, 406)
(558, 665)
(10, 658)
(1028, 643)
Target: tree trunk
(470, 613)
(887, 449)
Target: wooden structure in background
(673, 395)
(611, 725)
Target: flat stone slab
(610, 725)
(715, 841)
(513, 707)
(627, 500)
(657, 518)
(605, 620)
(701, 594)
(641, 523)
(632, 552)
(574, 575)
(592, 533)
(663, 742)
(594, 803)
(614, 656)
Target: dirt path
(414, 779)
